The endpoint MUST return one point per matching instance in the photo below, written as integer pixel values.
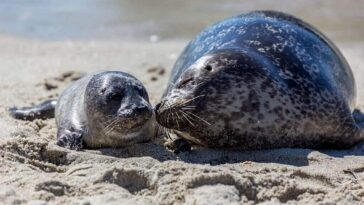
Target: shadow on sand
(289, 156)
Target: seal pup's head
(210, 93)
(117, 107)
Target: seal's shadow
(289, 156)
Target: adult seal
(103, 109)
(264, 79)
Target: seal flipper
(44, 110)
(70, 139)
(178, 145)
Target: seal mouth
(135, 122)
(179, 114)
(125, 125)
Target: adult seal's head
(261, 80)
(209, 94)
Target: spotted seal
(259, 80)
(103, 109)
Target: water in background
(164, 19)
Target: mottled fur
(261, 80)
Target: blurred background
(153, 20)
(41, 39)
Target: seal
(103, 109)
(260, 80)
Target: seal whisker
(175, 119)
(187, 118)
(168, 117)
(199, 118)
(168, 132)
(106, 125)
(111, 126)
(191, 106)
(189, 100)
(110, 120)
(182, 102)
(171, 106)
(165, 131)
(166, 107)
(187, 108)
(191, 117)
(161, 129)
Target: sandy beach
(33, 170)
(45, 45)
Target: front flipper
(178, 145)
(44, 110)
(70, 139)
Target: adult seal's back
(261, 80)
(103, 109)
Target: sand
(33, 170)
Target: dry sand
(35, 171)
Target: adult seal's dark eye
(208, 67)
(115, 97)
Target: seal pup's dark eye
(114, 97)
(208, 67)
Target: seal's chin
(124, 125)
(133, 123)
(178, 113)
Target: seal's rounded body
(103, 109)
(261, 80)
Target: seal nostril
(185, 82)
(208, 68)
(157, 106)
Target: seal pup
(259, 80)
(103, 109)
